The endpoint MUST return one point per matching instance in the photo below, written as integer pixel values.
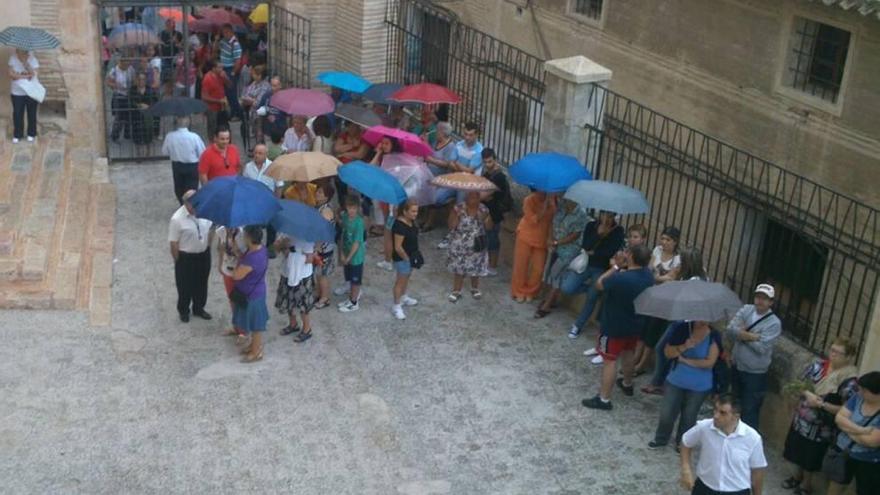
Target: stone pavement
(472, 398)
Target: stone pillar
(361, 38)
(571, 102)
(871, 346)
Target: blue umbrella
(303, 222)
(235, 201)
(344, 80)
(372, 182)
(608, 196)
(548, 171)
(379, 93)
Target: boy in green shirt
(274, 150)
(352, 251)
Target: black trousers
(186, 177)
(701, 489)
(20, 104)
(191, 274)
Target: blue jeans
(575, 283)
(750, 389)
(661, 368)
(493, 241)
(680, 404)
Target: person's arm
(706, 363)
(761, 342)
(757, 481)
(678, 341)
(687, 476)
(567, 239)
(452, 222)
(175, 250)
(488, 224)
(841, 419)
(602, 282)
(377, 158)
(737, 323)
(398, 247)
(241, 271)
(354, 248)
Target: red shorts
(612, 347)
(228, 282)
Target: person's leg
(520, 269)
(307, 322)
(867, 477)
(18, 108)
(590, 299)
(211, 121)
(626, 366)
(670, 408)
(752, 387)
(690, 409)
(182, 281)
(493, 243)
(323, 288)
(475, 283)
(202, 270)
(537, 260)
(354, 292)
(256, 345)
(399, 290)
(457, 283)
(609, 374)
(835, 488)
(31, 116)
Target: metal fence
(753, 220)
(290, 47)
(502, 87)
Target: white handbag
(579, 263)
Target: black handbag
(480, 243)
(238, 298)
(416, 260)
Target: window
(816, 60)
(516, 115)
(587, 8)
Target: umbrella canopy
(308, 102)
(131, 34)
(174, 13)
(372, 182)
(345, 80)
(463, 181)
(688, 300)
(413, 175)
(219, 17)
(303, 222)
(28, 38)
(380, 93)
(608, 196)
(426, 93)
(260, 15)
(303, 166)
(548, 171)
(178, 106)
(409, 142)
(235, 201)
(361, 116)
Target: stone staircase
(57, 213)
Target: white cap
(766, 289)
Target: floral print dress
(462, 258)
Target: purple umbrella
(307, 102)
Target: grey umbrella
(28, 38)
(361, 116)
(179, 106)
(608, 196)
(688, 300)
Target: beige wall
(11, 14)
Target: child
(275, 150)
(351, 253)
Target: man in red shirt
(214, 95)
(220, 159)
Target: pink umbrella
(410, 143)
(219, 17)
(307, 102)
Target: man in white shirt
(256, 169)
(184, 147)
(298, 137)
(731, 454)
(190, 238)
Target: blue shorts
(493, 242)
(354, 274)
(403, 267)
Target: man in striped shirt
(230, 59)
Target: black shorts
(354, 274)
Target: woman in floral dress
(468, 253)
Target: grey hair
(445, 127)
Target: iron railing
(290, 47)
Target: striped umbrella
(131, 34)
(28, 38)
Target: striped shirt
(230, 52)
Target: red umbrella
(308, 102)
(410, 143)
(427, 93)
(219, 17)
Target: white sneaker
(408, 301)
(342, 289)
(574, 332)
(397, 311)
(14, 140)
(348, 307)
(385, 265)
(597, 360)
(591, 352)
(492, 272)
(444, 244)
(30, 139)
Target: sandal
(454, 296)
(652, 390)
(791, 483)
(242, 339)
(322, 304)
(476, 293)
(289, 330)
(229, 332)
(540, 313)
(252, 358)
(302, 337)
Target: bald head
(260, 152)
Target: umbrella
(409, 142)
(178, 106)
(345, 80)
(372, 182)
(28, 38)
(235, 201)
(361, 116)
(303, 222)
(379, 93)
(308, 102)
(548, 171)
(427, 93)
(219, 17)
(131, 34)
(303, 166)
(608, 196)
(413, 175)
(174, 13)
(463, 181)
(260, 15)
(688, 300)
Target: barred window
(516, 114)
(816, 61)
(587, 8)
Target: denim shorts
(493, 242)
(354, 274)
(403, 267)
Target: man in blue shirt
(620, 326)
(230, 59)
(466, 157)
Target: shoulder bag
(239, 298)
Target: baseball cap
(766, 289)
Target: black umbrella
(361, 116)
(688, 300)
(178, 106)
(379, 93)
(28, 38)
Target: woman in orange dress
(530, 251)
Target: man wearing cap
(190, 238)
(754, 330)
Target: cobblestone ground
(472, 398)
